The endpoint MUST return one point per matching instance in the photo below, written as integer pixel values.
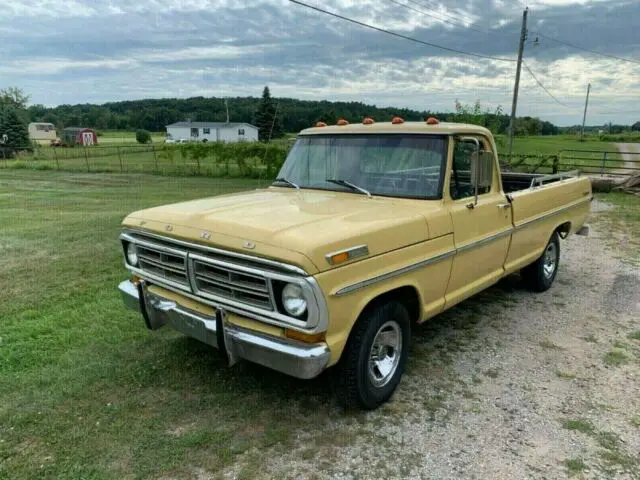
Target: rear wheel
(374, 358)
(539, 276)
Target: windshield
(392, 165)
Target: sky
(71, 51)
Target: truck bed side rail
(554, 177)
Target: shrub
(143, 136)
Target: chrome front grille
(219, 279)
(163, 263)
(214, 276)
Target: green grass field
(86, 390)
(552, 145)
(572, 153)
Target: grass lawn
(562, 145)
(86, 390)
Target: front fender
(425, 267)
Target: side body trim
(545, 216)
(485, 240)
(395, 273)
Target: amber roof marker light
(397, 119)
(342, 122)
(368, 121)
(432, 121)
(320, 124)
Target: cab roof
(442, 128)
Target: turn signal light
(342, 122)
(368, 121)
(320, 124)
(339, 258)
(304, 337)
(396, 120)
(432, 121)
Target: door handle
(504, 206)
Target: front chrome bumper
(287, 356)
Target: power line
(432, 15)
(399, 35)
(572, 45)
(543, 87)
(461, 17)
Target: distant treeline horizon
(155, 114)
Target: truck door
(481, 217)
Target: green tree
(14, 134)
(143, 136)
(266, 119)
(13, 97)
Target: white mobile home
(212, 132)
(42, 132)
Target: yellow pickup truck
(369, 229)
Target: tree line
(293, 115)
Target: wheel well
(564, 229)
(407, 295)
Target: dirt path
(630, 154)
(508, 385)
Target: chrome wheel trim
(549, 261)
(385, 352)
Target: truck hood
(309, 223)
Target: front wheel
(539, 276)
(374, 358)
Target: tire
(362, 381)
(539, 276)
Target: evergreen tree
(266, 119)
(15, 129)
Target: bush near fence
(250, 160)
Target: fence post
(55, 155)
(556, 162)
(86, 157)
(604, 159)
(155, 157)
(120, 158)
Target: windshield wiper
(350, 185)
(288, 182)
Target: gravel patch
(509, 384)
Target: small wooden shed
(79, 136)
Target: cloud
(70, 52)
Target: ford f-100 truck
(368, 229)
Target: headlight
(132, 255)
(293, 300)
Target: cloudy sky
(74, 51)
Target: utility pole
(584, 117)
(226, 105)
(523, 37)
